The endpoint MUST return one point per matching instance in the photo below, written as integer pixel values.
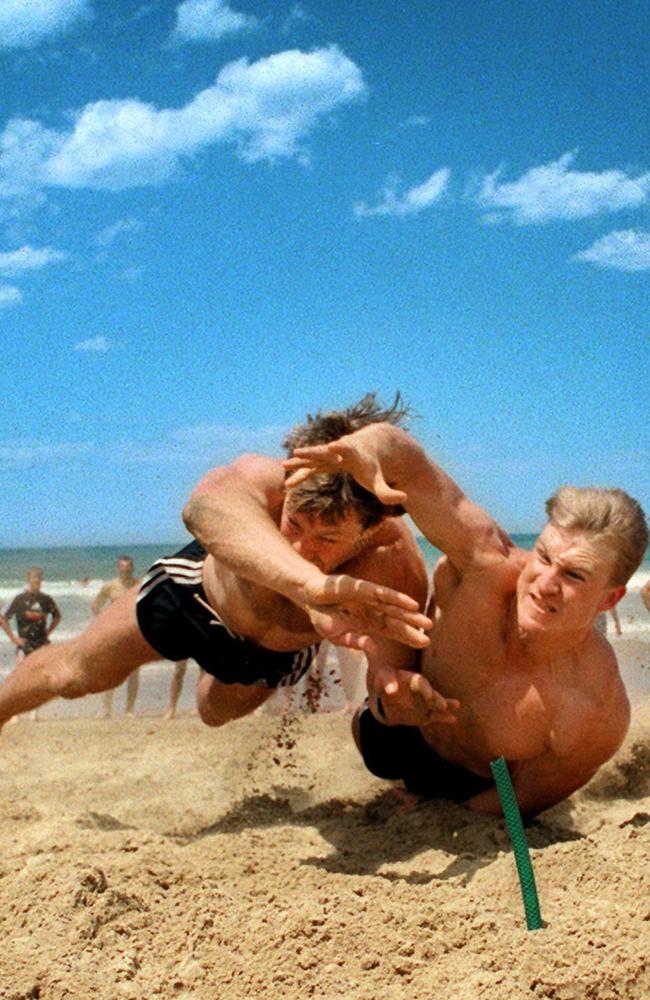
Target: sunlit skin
(34, 582)
(125, 570)
(565, 583)
(323, 543)
(513, 638)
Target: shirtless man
(251, 596)
(513, 641)
(110, 592)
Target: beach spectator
(176, 687)
(602, 622)
(36, 615)
(110, 592)
(267, 576)
(513, 641)
(645, 594)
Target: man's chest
(32, 608)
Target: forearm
(55, 622)
(437, 504)
(242, 535)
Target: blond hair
(611, 515)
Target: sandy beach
(145, 859)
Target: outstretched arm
(391, 463)
(234, 513)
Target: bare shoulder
(601, 716)
(248, 468)
(495, 568)
(249, 474)
(393, 558)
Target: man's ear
(612, 598)
(393, 510)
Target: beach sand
(143, 859)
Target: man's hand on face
(349, 454)
(347, 611)
(405, 698)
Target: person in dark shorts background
(36, 614)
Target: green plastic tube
(519, 843)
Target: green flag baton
(519, 843)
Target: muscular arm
(100, 600)
(388, 461)
(234, 513)
(55, 619)
(545, 780)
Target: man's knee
(219, 703)
(65, 673)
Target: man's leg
(132, 685)
(99, 659)
(107, 701)
(220, 703)
(176, 687)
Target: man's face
(34, 580)
(566, 582)
(326, 545)
(125, 568)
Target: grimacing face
(324, 544)
(566, 582)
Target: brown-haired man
(266, 577)
(513, 641)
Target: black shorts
(32, 644)
(401, 752)
(175, 618)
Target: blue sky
(215, 217)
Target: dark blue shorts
(401, 752)
(175, 618)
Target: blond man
(513, 650)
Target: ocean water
(73, 577)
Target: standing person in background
(110, 592)
(602, 622)
(175, 688)
(645, 594)
(31, 609)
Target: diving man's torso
(514, 701)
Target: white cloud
(15, 454)
(9, 296)
(29, 259)
(109, 234)
(267, 108)
(554, 191)
(624, 250)
(25, 23)
(208, 20)
(415, 121)
(95, 345)
(415, 200)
